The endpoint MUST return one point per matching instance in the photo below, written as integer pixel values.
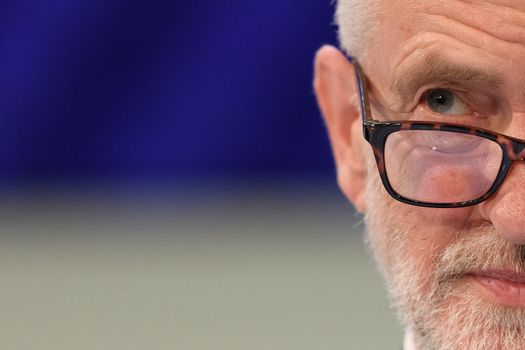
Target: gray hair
(357, 21)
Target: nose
(506, 209)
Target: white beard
(437, 305)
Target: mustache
(481, 248)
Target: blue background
(161, 89)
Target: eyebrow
(437, 69)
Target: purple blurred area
(166, 182)
(120, 89)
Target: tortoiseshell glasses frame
(376, 133)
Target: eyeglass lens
(437, 166)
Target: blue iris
(440, 101)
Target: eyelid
(419, 95)
(482, 104)
(461, 96)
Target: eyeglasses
(438, 165)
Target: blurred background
(166, 182)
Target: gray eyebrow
(437, 69)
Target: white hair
(357, 21)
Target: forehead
(480, 34)
(494, 27)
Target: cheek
(428, 231)
(398, 231)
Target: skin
(486, 35)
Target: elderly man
(437, 89)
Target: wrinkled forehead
(495, 27)
(488, 35)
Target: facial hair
(440, 308)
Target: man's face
(457, 276)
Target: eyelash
(459, 97)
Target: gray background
(236, 267)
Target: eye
(444, 101)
